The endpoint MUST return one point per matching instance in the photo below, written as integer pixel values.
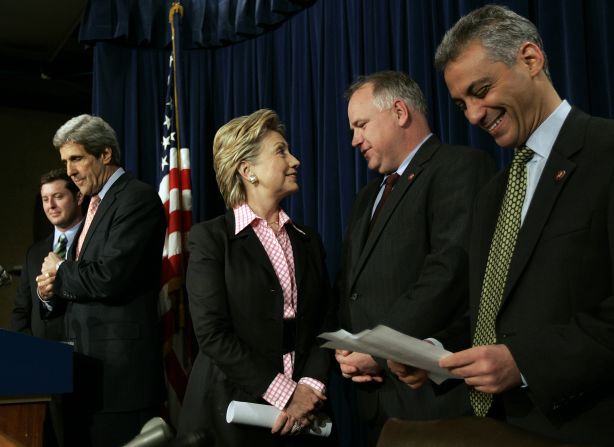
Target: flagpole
(175, 192)
(177, 8)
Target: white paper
(386, 343)
(265, 415)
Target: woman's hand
(299, 412)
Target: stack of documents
(386, 343)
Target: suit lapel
(556, 174)
(72, 251)
(360, 228)
(252, 248)
(409, 177)
(254, 254)
(300, 253)
(48, 244)
(105, 205)
(488, 212)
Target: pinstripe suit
(410, 271)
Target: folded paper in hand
(265, 415)
(386, 343)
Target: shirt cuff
(280, 391)
(313, 383)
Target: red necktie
(389, 185)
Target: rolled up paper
(260, 415)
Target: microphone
(5, 278)
(155, 433)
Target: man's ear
(401, 112)
(106, 155)
(532, 57)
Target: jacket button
(354, 296)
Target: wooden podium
(33, 370)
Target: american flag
(176, 194)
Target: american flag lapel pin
(560, 175)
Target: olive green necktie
(497, 267)
(60, 246)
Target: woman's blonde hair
(236, 141)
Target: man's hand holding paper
(413, 377)
(358, 366)
(489, 369)
(384, 342)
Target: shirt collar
(542, 140)
(245, 216)
(117, 174)
(70, 234)
(408, 159)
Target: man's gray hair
(389, 86)
(499, 30)
(94, 133)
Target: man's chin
(505, 142)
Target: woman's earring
(252, 179)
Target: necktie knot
(94, 202)
(523, 155)
(388, 185)
(391, 179)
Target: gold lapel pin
(411, 177)
(560, 175)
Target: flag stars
(166, 141)
(164, 162)
(167, 121)
(172, 136)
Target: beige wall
(27, 152)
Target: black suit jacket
(29, 314)
(112, 295)
(410, 272)
(557, 314)
(236, 303)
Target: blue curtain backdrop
(297, 57)
(299, 65)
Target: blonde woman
(258, 294)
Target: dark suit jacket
(557, 314)
(112, 294)
(410, 272)
(236, 303)
(29, 314)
